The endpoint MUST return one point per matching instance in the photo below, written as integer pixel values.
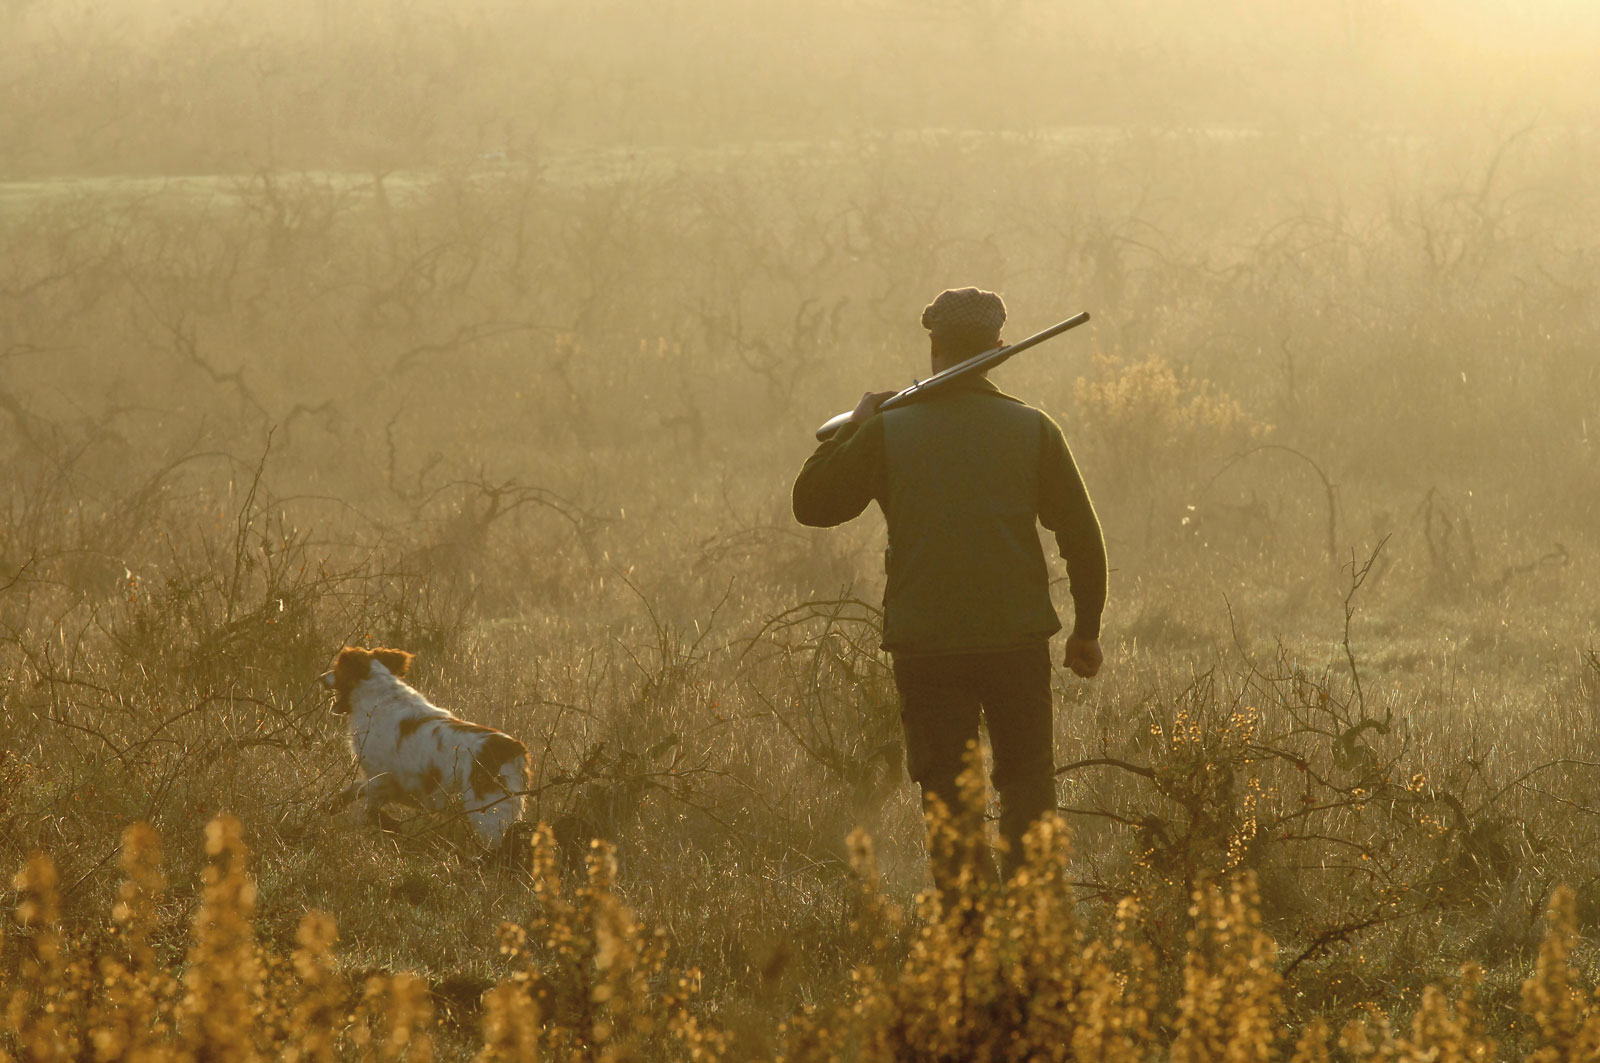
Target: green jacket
(961, 477)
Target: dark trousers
(942, 699)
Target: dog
(412, 752)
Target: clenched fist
(1083, 656)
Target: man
(961, 477)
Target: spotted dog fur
(413, 752)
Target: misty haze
(419, 639)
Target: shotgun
(976, 364)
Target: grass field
(532, 411)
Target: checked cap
(965, 311)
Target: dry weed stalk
(224, 992)
(318, 1010)
(1231, 1004)
(37, 1013)
(1007, 974)
(129, 1023)
(593, 983)
(1565, 1020)
(1448, 1032)
(393, 1019)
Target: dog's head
(353, 666)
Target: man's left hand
(1083, 656)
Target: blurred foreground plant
(981, 972)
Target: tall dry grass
(541, 431)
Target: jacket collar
(981, 383)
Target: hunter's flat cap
(968, 310)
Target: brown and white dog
(413, 752)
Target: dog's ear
(351, 666)
(397, 661)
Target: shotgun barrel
(976, 364)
